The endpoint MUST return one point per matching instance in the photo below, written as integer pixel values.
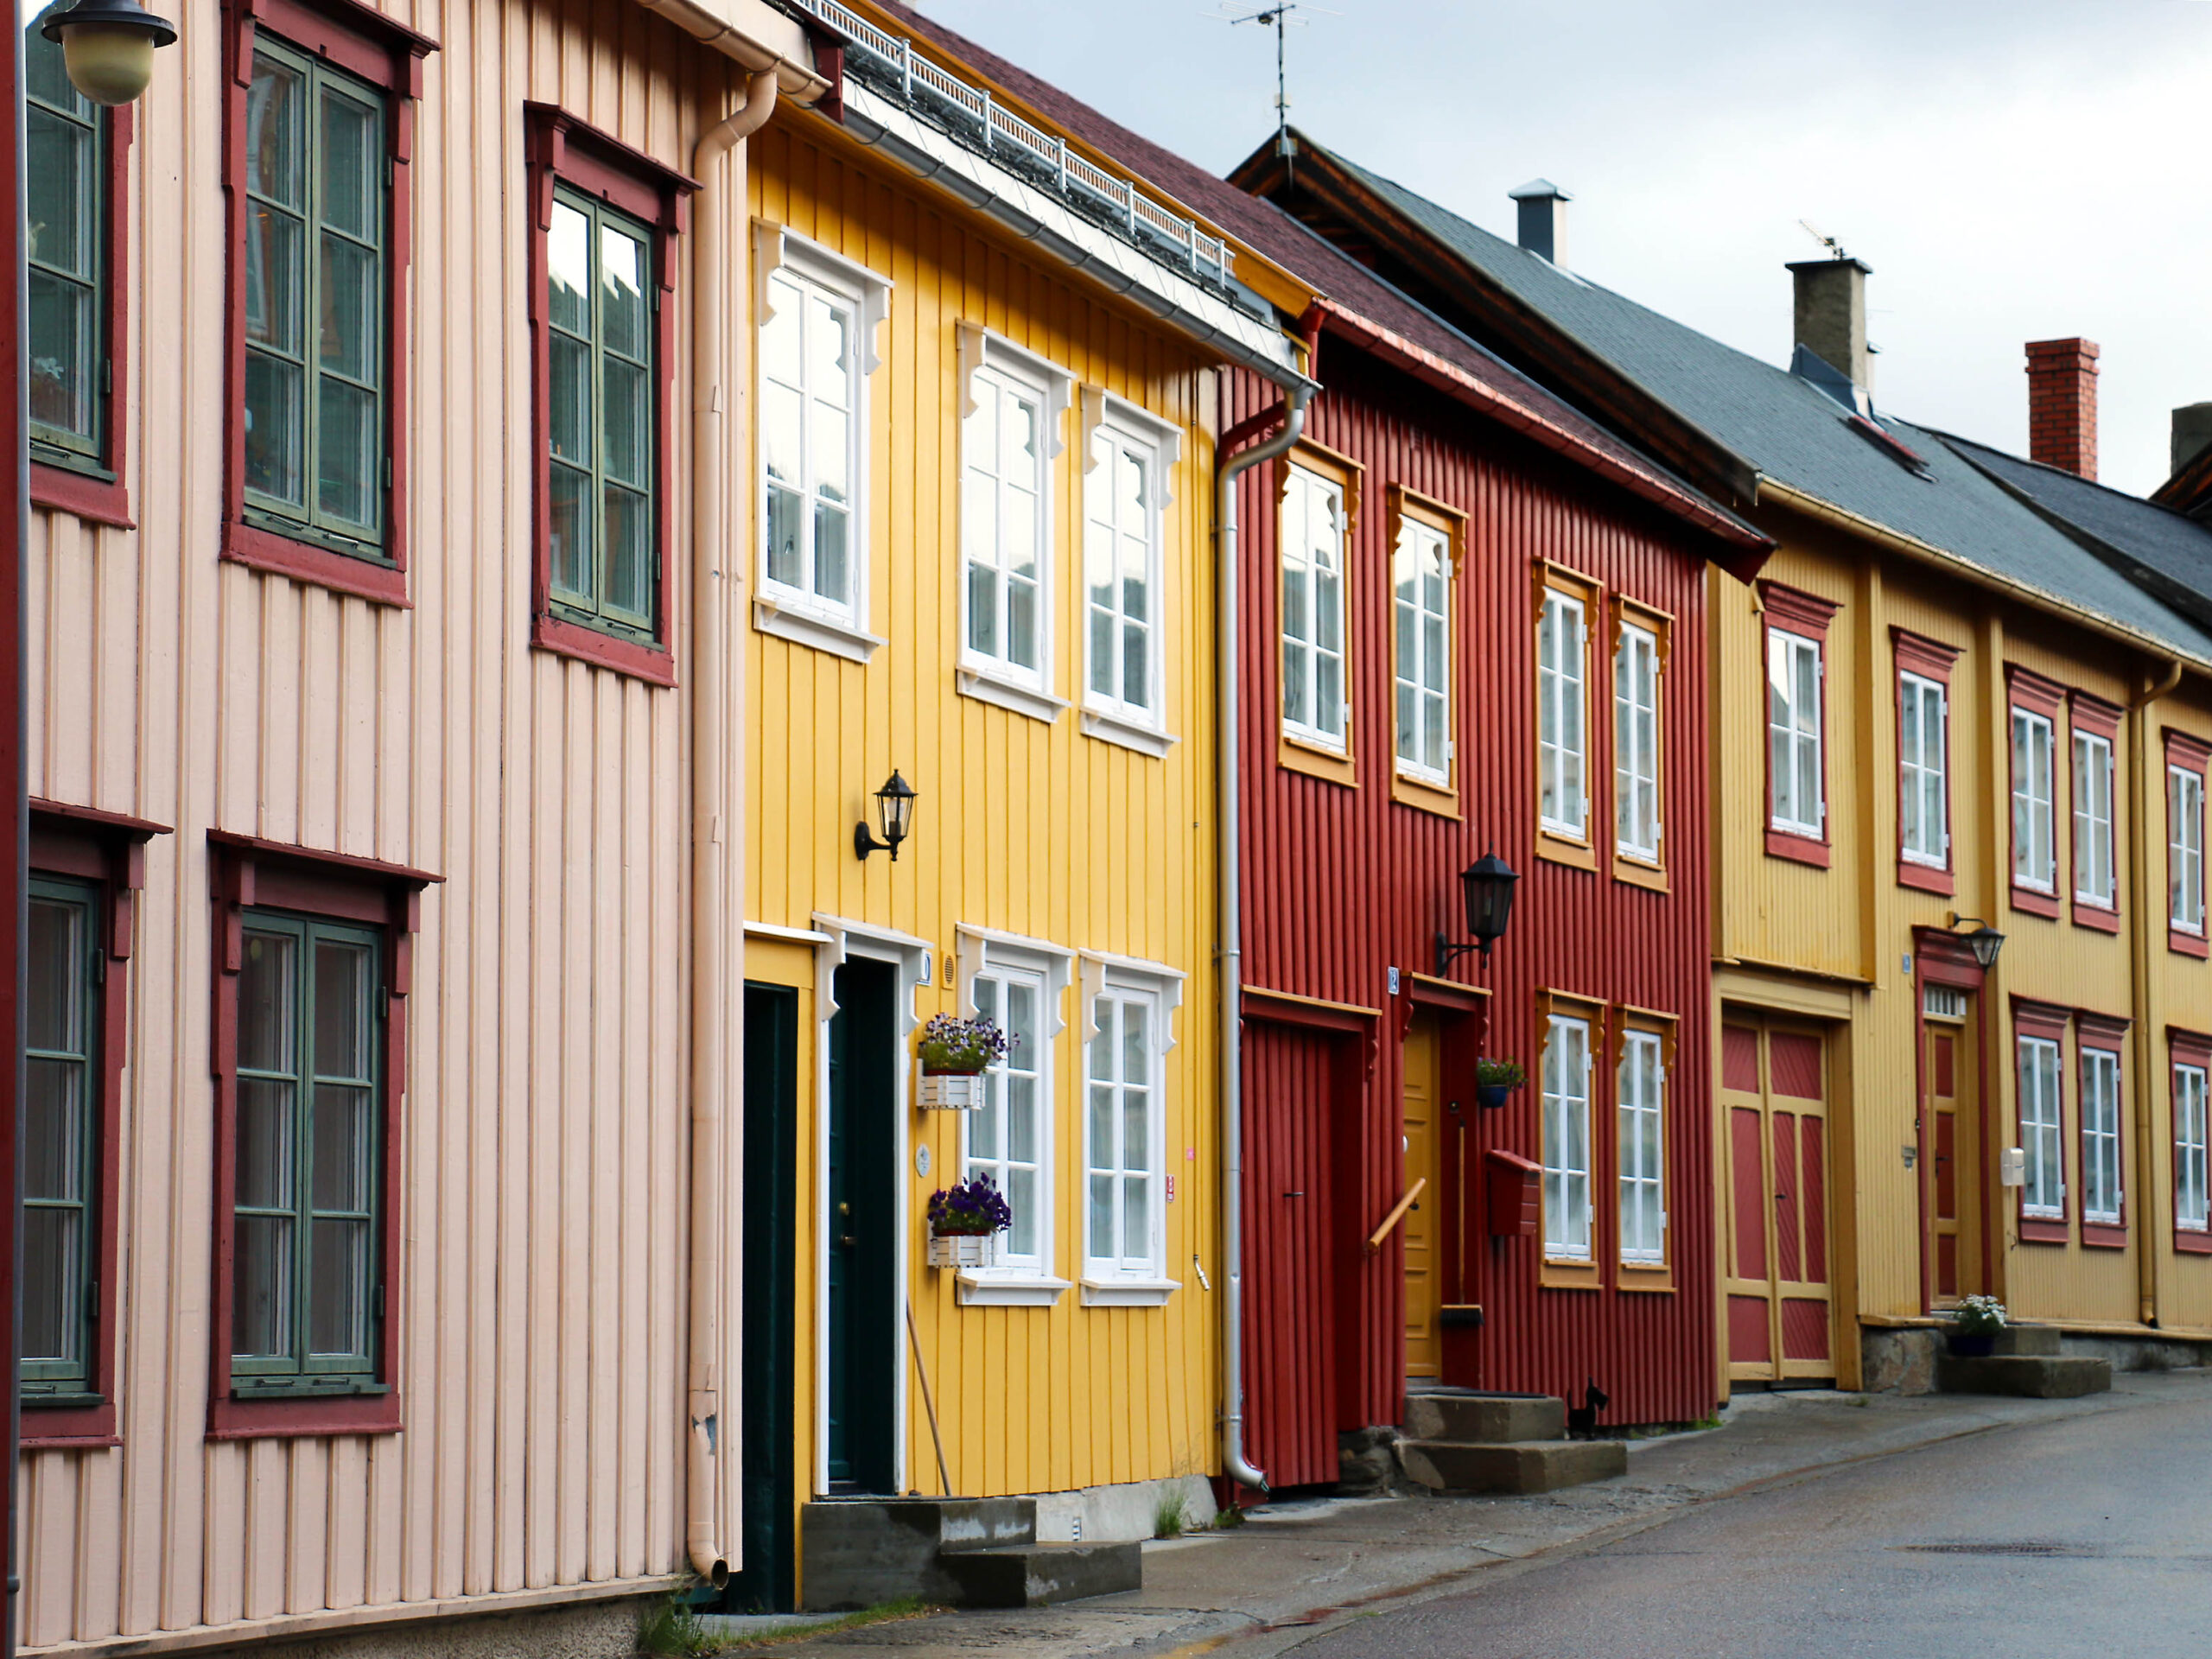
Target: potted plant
(965, 1222)
(1496, 1080)
(1975, 1324)
(956, 1053)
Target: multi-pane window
(65, 218)
(2035, 862)
(1313, 706)
(1004, 538)
(2185, 848)
(62, 1095)
(1006, 1138)
(601, 417)
(2043, 1190)
(1422, 576)
(2093, 856)
(2101, 1189)
(316, 265)
(810, 385)
(1923, 799)
(2189, 1202)
(1636, 744)
(1567, 1138)
(1562, 723)
(1793, 728)
(1641, 1089)
(1121, 1142)
(307, 1292)
(1121, 576)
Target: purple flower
(970, 1209)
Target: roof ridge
(1954, 438)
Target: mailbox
(1512, 1198)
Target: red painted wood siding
(1339, 885)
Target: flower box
(963, 1249)
(953, 1091)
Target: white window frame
(2192, 1212)
(798, 614)
(2093, 822)
(1409, 676)
(1302, 488)
(1129, 430)
(985, 952)
(2042, 1127)
(1636, 763)
(2103, 1197)
(1128, 1281)
(1640, 1092)
(1568, 1066)
(2185, 849)
(1923, 775)
(2031, 810)
(991, 365)
(1796, 735)
(1570, 612)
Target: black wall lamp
(894, 810)
(1985, 941)
(1486, 888)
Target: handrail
(1374, 1239)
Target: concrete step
(1037, 1575)
(2029, 1341)
(2030, 1377)
(1525, 1466)
(857, 1552)
(1474, 1419)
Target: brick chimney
(2063, 404)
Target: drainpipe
(710, 394)
(2146, 763)
(1233, 1463)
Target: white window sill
(2091, 901)
(986, 687)
(1000, 1289)
(1128, 1293)
(1806, 832)
(1647, 856)
(2029, 1212)
(1130, 733)
(1929, 861)
(816, 629)
(1328, 744)
(1426, 779)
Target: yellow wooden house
(982, 565)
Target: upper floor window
(2034, 856)
(1009, 436)
(1315, 706)
(2093, 848)
(2185, 849)
(2043, 1190)
(1924, 793)
(1796, 776)
(66, 176)
(1124, 501)
(1421, 579)
(63, 1080)
(1562, 716)
(2100, 1182)
(1566, 1067)
(1641, 1097)
(810, 400)
(2189, 1202)
(1636, 743)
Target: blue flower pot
(1494, 1094)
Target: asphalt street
(2084, 1536)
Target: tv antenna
(1835, 247)
(1278, 17)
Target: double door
(1775, 1092)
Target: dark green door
(764, 1583)
(860, 1231)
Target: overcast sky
(2011, 169)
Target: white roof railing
(1150, 224)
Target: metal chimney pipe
(1543, 219)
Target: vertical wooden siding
(545, 1120)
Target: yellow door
(1424, 1292)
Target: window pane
(627, 412)
(54, 1280)
(338, 1307)
(275, 441)
(570, 532)
(265, 1158)
(261, 1312)
(265, 992)
(62, 349)
(568, 269)
(1102, 1217)
(629, 553)
(1136, 1217)
(623, 320)
(275, 140)
(832, 560)
(348, 320)
(1021, 1198)
(342, 1014)
(351, 167)
(344, 1149)
(352, 453)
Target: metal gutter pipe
(1234, 1464)
(710, 813)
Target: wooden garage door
(1773, 1091)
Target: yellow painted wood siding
(1023, 826)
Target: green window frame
(602, 417)
(318, 183)
(65, 171)
(307, 1292)
(62, 1099)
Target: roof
(1348, 285)
(1788, 429)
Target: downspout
(709, 694)
(1234, 1464)
(2144, 763)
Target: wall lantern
(894, 810)
(1985, 941)
(107, 46)
(1486, 887)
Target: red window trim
(1807, 615)
(2104, 1034)
(62, 489)
(249, 871)
(2185, 1047)
(1794, 611)
(586, 160)
(1928, 659)
(2189, 754)
(108, 850)
(365, 43)
(2034, 693)
(2093, 714)
(2048, 1021)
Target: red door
(1773, 1088)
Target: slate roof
(1793, 432)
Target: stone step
(2029, 1341)
(1525, 1466)
(1474, 1419)
(1037, 1575)
(2032, 1376)
(857, 1552)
